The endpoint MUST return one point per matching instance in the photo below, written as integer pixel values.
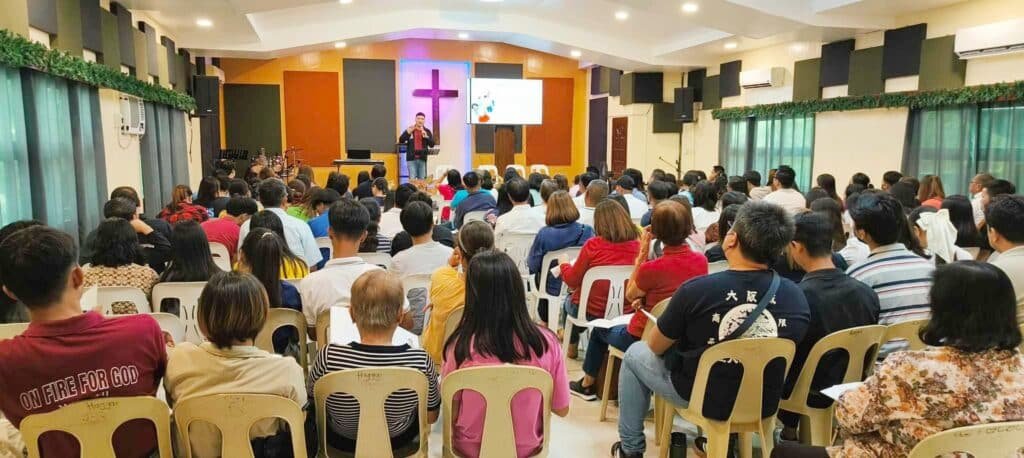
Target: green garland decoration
(923, 99)
(17, 52)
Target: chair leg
(767, 436)
(746, 444)
(659, 408)
(664, 441)
(718, 440)
(605, 391)
(820, 426)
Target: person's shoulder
(132, 324)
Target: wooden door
(620, 136)
(504, 147)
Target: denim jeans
(417, 169)
(571, 309)
(597, 350)
(642, 374)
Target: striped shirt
(400, 408)
(902, 281)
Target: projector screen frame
(472, 120)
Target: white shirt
(587, 216)
(855, 251)
(760, 192)
(979, 211)
(637, 207)
(703, 218)
(297, 234)
(390, 223)
(521, 219)
(420, 259)
(542, 212)
(1012, 262)
(580, 200)
(789, 199)
(331, 286)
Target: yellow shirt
(295, 270)
(447, 293)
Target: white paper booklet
(344, 331)
(835, 392)
(557, 270)
(620, 320)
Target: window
(763, 144)
(15, 201)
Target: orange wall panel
(312, 115)
(551, 142)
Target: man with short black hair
(66, 356)
(624, 187)
(365, 188)
(754, 188)
(424, 257)
(597, 191)
(786, 196)
(155, 249)
(390, 222)
(978, 184)
(705, 311)
(475, 200)
(128, 192)
(273, 195)
(225, 230)
(738, 184)
(521, 219)
(716, 171)
(418, 140)
(585, 180)
(1005, 219)
(442, 235)
(890, 178)
(657, 191)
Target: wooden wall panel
(312, 116)
(807, 80)
(940, 66)
(595, 80)
(901, 55)
(171, 52)
(835, 63)
(551, 142)
(664, 119)
(252, 117)
(695, 81)
(152, 42)
(614, 82)
(627, 86)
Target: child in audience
(496, 329)
(375, 241)
(181, 207)
(563, 230)
(261, 255)
(40, 269)
(232, 309)
(113, 263)
(448, 284)
(424, 257)
(292, 266)
(376, 310)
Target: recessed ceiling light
(798, 47)
(731, 45)
(622, 15)
(204, 22)
(690, 7)
(344, 2)
(463, 36)
(340, 44)
(575, 53)
(491, 1)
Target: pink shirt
(223, 231)
(527, 421)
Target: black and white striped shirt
(399, 408)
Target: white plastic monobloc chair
(489, 168)
(378, 259)
(442, 169)
(170, 324)
(517, 247)
(221, 256)
(106, 296)
(187, 294)
(12, 330)
(539, 168)
(475, 216)
(518, 168)
(541, 293)
(617, 276)
(325, 243)
(718, 266)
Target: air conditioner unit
(133, 115)
(990, 39)
(762, 77)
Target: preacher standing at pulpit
(418, 139)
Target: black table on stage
(368, 162)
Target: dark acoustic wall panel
(711, 98)
(125, 34)
(597, 141)
(614, 82)
(173, 72)
(69, 27)
(141, 51)
(940, 66)
(902, 55)
(695, 81)
(605, 80)
(92, 27)
(664, 119)
(648, 87)
(111, 55)
(484, 143)
(729, 78)
(42, 14)
(370, 115)
(807, 80)
(835, 63)
(595, 80)
(152, 48)
(252, 117)
(626, 88)
(866, 72)
(683, 104)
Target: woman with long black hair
(292, 266)
(191, 259)
(261, 255)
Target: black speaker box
(683, 109)
(207, 95)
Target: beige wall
(869, 141)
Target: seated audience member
(1005, 219)
(827, 182)
(273, 196)
(652, 281)
(814, 194)
(615, 244)
(711, 234)
(475, 200)
(496, 329)
(375, 242)
(376, 310)
(936, 234)
(978, 184)
(364, 186)
(128, 192)
(39, 266)
(232, 310)
(754, 188)
(931, 193)
(787, 196)
(836, 302)
(192, 260)
(705, 199)
(521, 219)
(262, 253)
(12, 311)
(224, 230)
(381, 193)
(995, 189)
(239, 188)
(689, 183)
(597, 191)
(442, 234)
(448, 284)
(738, 184)
(390, 222)
(861, 179)
(339, 182)
(297, 196)
(487, 184)
(580, 199)
(547, 188)
(319, 201)
(448, 189)
(905, 194)
(890, 178)
(562, 231)
(113, 264)
(423, 258)
(181, 207)
(878, 221)
(535, 180)
(725, 221)
(332, 285)
(667, 363)
(972, 372)
(639, 189)
(319, 223)
(154, 245)
(212, 195)
(637, 208)
(292, 266)
(657, 192)
(845, 244)
(962, 216)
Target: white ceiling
(658, 34)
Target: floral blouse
(916, 394)
(129, 276)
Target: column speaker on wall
(207, 95)
(683, 109)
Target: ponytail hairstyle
(475, 237)
(181, 194)
(262, 253)
(369, 244)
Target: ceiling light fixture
(576, 53)
(463, 36)
(622, 15)
(798, 48)
(204, 22)
(690, 7)
(340, 44)
(731, 45)
(344, 2)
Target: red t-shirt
(223, 231)
(660, 278)
(55, 363)
(448, 193)
(598, 252)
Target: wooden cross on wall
(436, 94)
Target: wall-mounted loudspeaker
(683, 110)
(207, 95)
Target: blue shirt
(290, 299)
(319, 225)
(476, 201)
(554, 238)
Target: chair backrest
(416, 281)
(906, 330)
(89, 299)
(517, 247)
(106, 296)
(718, 266)
(371, 387)
(12, 330)
(442, 169)
(519, 169)
(658, 309)
(234, 415)
(490, 168)
(280, 318)
(221, 256)
(323, 328)
(294, 281)
(539, 168)
(93, 422)
(452, 322)
(617, 277)
(378, 259)
(170, 324)
(995, 440)
(187, 294)
(498, 385)
(324, 243)
(754, 355)
(475, 216)
(551, 257)
(860, 343)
